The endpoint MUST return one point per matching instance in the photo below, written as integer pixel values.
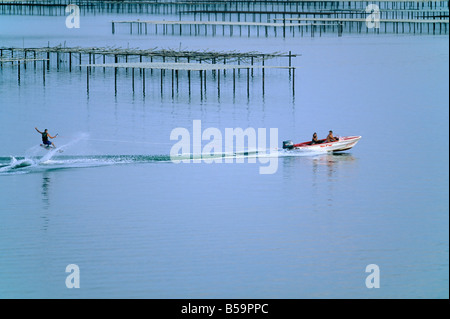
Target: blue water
(141, 226)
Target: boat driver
(314, 139)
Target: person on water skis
(45, 136)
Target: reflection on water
(325, 174)
(332, 161)
(45, 188)
(46, 180)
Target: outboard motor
(288, 145)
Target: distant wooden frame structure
(183, 60)
(202, 68)
(286, 25)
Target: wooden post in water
(162, 81)
(132, 79)
(224, 70)
(18, 72)
(189, 78)
(248, 82)
(234, 81)
(189, 82)
(143, 81)
(239, 63)
(172, 83)
(218, 83)
(176, 76)
(290, 62)
(115, 81)
(293, 82)
(201, 85)
(43, 72)
(151, 60)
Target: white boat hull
(344, 143)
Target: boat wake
(13, 165)
(53, 160)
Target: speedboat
(342, 144)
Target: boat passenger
(331, 138)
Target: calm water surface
(140, 226)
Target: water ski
(49, 147)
